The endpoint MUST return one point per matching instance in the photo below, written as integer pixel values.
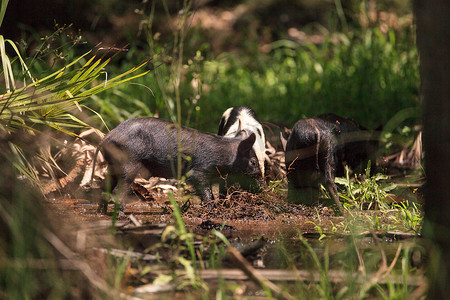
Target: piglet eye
(253, 162)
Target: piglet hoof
(122, 216)
(102, 208)
(121, 212)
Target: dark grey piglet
(310, 161)
(355, 145)
(319, 148)
(153, 145)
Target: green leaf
(3, 10)
(386, 187)
(341, 180)
(6, 64)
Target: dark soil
(264, 214)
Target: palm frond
(51, 100)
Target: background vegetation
(285, 59)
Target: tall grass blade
(6, 64)
(3, 10)
(180, 224)
(22, 62)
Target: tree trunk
(433, 39)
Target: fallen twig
(130, 254)
(154, 288)
(334, 276)
(254, 275)
(81, 265)
(396, 235)
(135, 221)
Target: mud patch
(242, 205)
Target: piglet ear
(246, 145)
(239, 126)
(283, 141)
(243, 134)
(221, 126)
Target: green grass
(366, 76)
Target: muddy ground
(244, 214)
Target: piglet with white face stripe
(241, 122)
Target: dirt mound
(242, 205)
